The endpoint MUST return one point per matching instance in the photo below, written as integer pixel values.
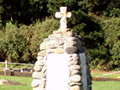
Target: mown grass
(97, 85)
(24, 80)
(106, 85)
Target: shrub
(112, 39)
(22, 44)
(12, 45)
(112, 12)
(40, 31)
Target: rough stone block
(43, 69)
(39, 57)
(59, 51)
(38, 68)
(43, 46)
(75, 88)
(42, 83)
(35, 83)
(69, 33)
(73, 39)
(39, 63)
(73, 84)
(71, 43)
(42, 53)
(71, 50)
(49, 51)
(38, 75)
(74, 72)
(73, 62)
(74, 67)
(75, 78)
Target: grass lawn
(106, 85)
(97, 85)
(24, 80)
(106, 75)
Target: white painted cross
(6, 65)
(63, 14)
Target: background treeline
(25, 23)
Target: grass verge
(97, 85)
(106, 85)
(24, 80)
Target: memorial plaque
(83, 70)
(57, 72)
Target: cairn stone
(38, 75)
(37, 68)
(35, 83)
(69, 34)
(74, 83)
(39, 63)
(59, 51)
(42, 53)
(44, 69)
(73, 39)
(76, 87)
(75, 78)
(71, 50)
(43, 46)
(75, 72)
(71, 43)
(73, 62)
(74, 67)
(63, 42)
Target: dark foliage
(96, 21)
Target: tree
(24, 11)
(112, 41)
(1, 11)
(13, 45)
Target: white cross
(63, 14)
(6, 65)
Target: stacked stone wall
(62, 43)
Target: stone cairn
(60, 42)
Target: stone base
(59, 74)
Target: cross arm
(58, 15)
